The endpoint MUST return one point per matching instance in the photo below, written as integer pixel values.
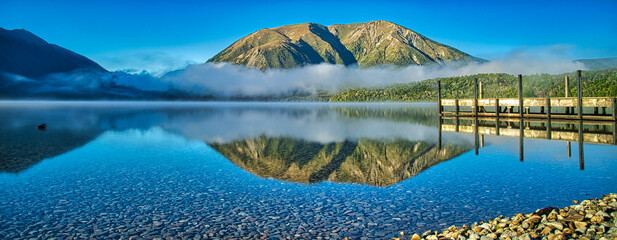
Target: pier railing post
(481, 90)
(614, 107)
(497, 108)
(520, 95)
(475, 96)
(567, 92)
(439, 107)
(548, 107)
(456, 106)
(580, 94)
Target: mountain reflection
(365, 161)
(367, 144)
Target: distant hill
(366, 44)
(599, 63)
(25, 54)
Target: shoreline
(595, 218)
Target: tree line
(595, 83)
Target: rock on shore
(589, 219)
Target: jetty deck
(575, 108)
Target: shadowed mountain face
(25, 54)
(366, 44)
(366, 161)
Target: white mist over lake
(233, 80)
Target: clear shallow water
(275, 170)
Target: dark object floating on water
(42, 127)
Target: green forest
(595, 83)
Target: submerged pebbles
(589, 219)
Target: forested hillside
(596, 83)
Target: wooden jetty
(587, 108)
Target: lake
(280, 170)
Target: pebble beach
(590, 219)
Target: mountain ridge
(23, 53)
(365, 44)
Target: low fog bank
(82, 84)
(227, 81)
(234, 80)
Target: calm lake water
(275, 170)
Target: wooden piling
(475, 96)
(456, 106)
(548, 107)
(439, 97)
(614, 107)
(520, 95)
(567, 92)
(580, 94)
(497, 108)
(569, 147)
(567, 86)
(481, 95)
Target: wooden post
(456, 106)
(439, 97)
(569, 149)
(497, 126)
(520, 95)
(567, 92)
(581, 160)
(481, 90)
(614, 107)
(548, 107)
(567, 86)
(475, 96)
(580, 94)
(497, 109)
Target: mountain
(364, 161)
(366, 44)
(31, 68)
(25, 54)
(599, 63)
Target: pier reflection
(594, 132)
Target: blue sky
(158, 34)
